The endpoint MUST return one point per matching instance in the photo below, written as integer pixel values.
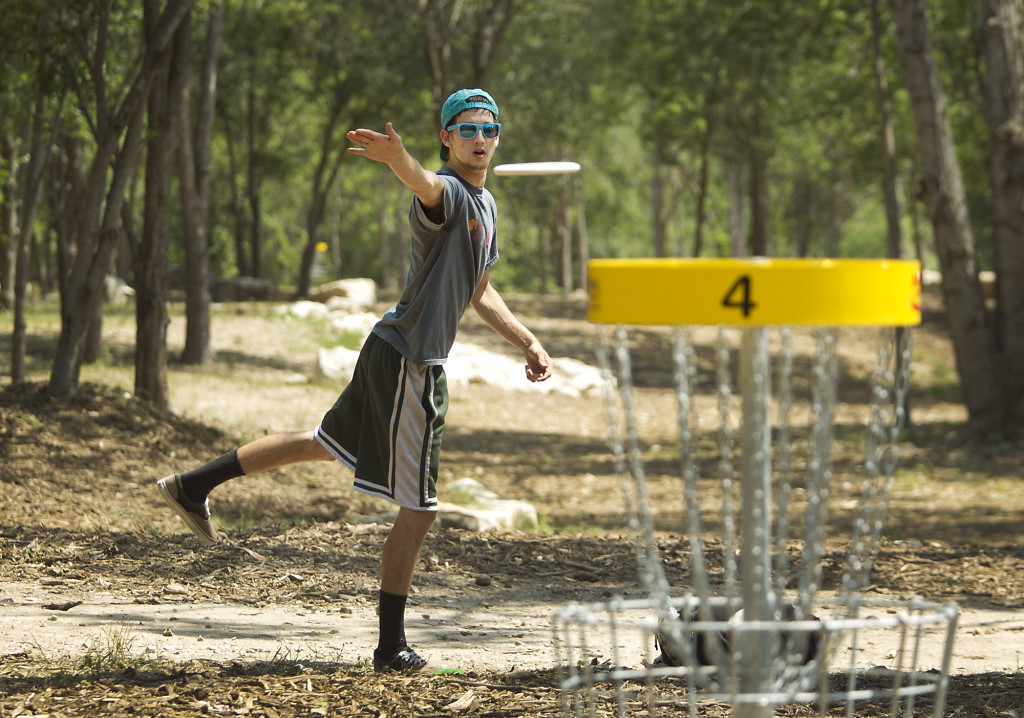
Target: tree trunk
(1002, 49)
(831, 220)
(943, 193)
(151, 258)
(702, 182)
(237, 216)
(544, 249)
(252, 184)
(563, 226)
(402, 236)
(392, 238)
(29, 194)
(97, 212)
(324, 177)
(583, 237)
(194, 170)
(19, 243)
(759, 204)
(443, 23)
(890, 186)
(9, 228)
(803, 199)
(385, 221)
(659, 212)
(67, 184)
(737, 211)
(890, 179)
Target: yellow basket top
(756, 291)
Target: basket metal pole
(755, 560)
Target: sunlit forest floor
(82, 529)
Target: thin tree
(117, 130)
(29, 191)
(890, 178)
(446, 26)
(162, 114)
(1002, 50)
(942, 190)
(332, 152)
(194, 173)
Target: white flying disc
(537, 168)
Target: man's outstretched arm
(388, 148)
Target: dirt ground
(110, 608)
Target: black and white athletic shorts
(386, 426)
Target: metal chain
(685, 362)
(725, 464)
(784, 458)
(819, 467)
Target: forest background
(182, 143)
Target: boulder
(345, 323)
(305, 310)
(472, 364)
(116, 290)
(336, 363)
(353, 295)
(472, 506)
(240, 289)
(987, 280)
(467, 364)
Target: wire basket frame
(759, 630)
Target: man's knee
(315, 451)
(416, 521)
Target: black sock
(391, 610)
(200, 482)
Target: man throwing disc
(386, 426)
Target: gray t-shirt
(448, 262)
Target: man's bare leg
(274, 450)
(397, 566)
(402, 549)
(186, 493)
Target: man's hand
(388, 148)
(538, 363)
(493, 310)
(383, 148)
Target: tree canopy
(705, 128)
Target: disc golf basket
(754, 625)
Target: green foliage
(595, 81)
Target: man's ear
(445, 139)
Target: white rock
(116, 290)
(358, 294)
(306, 310)
(360, 323)
(472, 364)
(472, 506)
(336, 363)
(467, 364)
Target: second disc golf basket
(753, 625)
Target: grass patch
(112, 654)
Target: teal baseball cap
(475, 99)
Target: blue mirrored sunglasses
(468, 130)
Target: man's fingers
(365, 137)
(540, 373)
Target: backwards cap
(460, 102)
